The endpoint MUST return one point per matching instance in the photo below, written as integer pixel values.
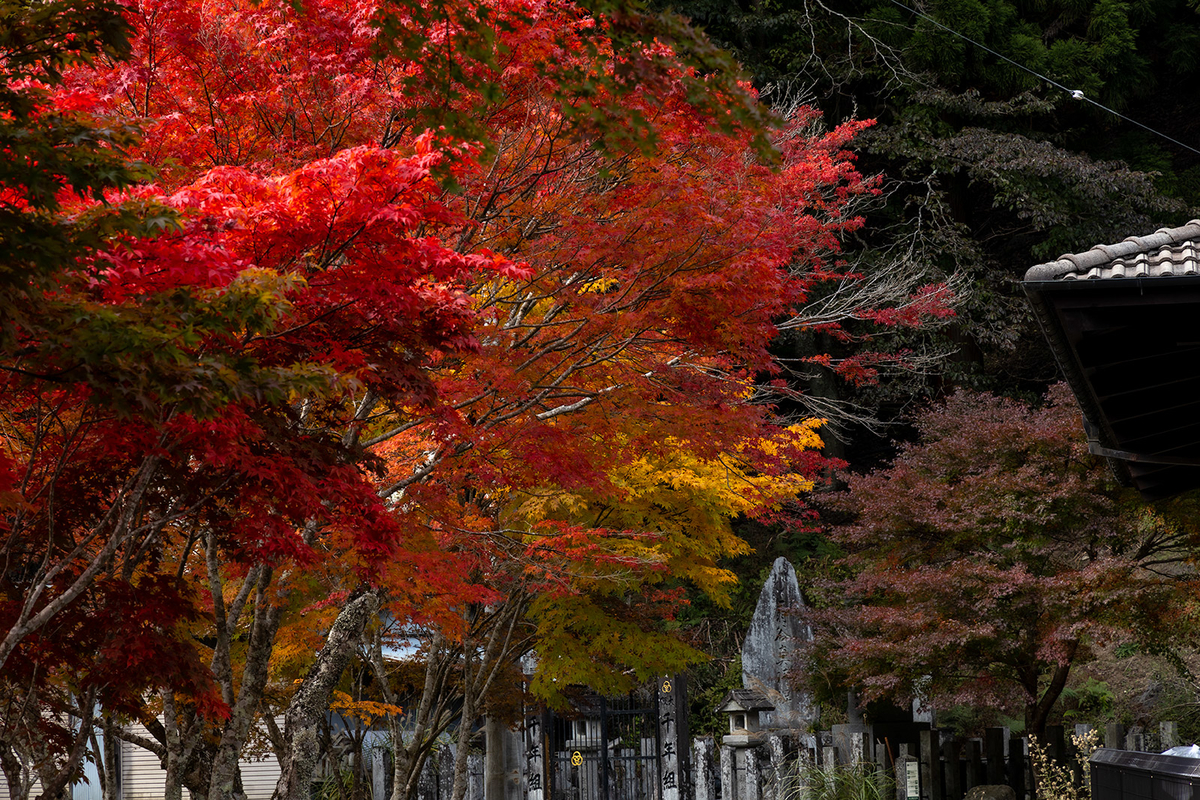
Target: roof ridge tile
(1094, 260)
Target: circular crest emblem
(666, 687)
(576, 758)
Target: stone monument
(768, 710)
(769, 650)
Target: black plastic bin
(1126, 775)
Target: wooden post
(536, 757)
(1056, 743)
(932, 787)
(1073, 751)
(674, 762)
(1016, 766)
(974, 765)
(994, 741)
(952, 752)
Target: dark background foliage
(987, 170)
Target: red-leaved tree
(993, 556)
(329, 377)
(173, 392)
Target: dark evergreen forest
(986, 170)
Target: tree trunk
(408, 749)
(310, 704)
(465, 725)
(433, 717)
(112, 774)
(495, 774)
(12, 767)
(225, 780)
(56, 783)
(1037, 713)
(478, 673)
(175, 756)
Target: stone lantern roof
(746, 727)
(745, 700)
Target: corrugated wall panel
(259, 778)
(142, 777)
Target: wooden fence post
(882, 757)
(1056, 744)
(994, 741)
(1016, 766)
(931, 766)
(952, 752)
(974, 765)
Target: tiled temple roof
(1166, 252)
(1123, 321)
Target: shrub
(840, 782)
(1058, 781)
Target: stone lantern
(745, 707)
(740, 747)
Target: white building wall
(260, 777)
(143, 778)
(37, 788)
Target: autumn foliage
(993, 556)
(334, 357)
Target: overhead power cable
(1076, 94)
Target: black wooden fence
(608, 750)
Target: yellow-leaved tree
(579, 582)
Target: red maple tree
(329, 365)
(992, 557)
